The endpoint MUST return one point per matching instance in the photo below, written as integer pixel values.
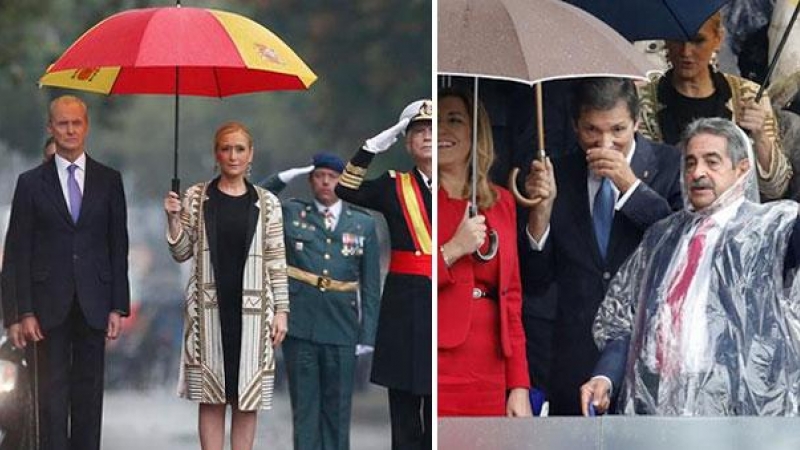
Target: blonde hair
(486, 195)
(232, 127)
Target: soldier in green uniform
(334, 284)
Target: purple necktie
(74, 192)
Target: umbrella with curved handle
(530, 41)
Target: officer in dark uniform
(402, 360)
(332, 255)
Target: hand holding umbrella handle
(521, 199)
(491, 251)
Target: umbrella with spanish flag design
(178, 51)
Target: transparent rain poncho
(736, 351)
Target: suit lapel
(53, 189)
(644, 166)
(91, 189)
(577, 194)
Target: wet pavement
(156, 419)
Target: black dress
(231, 249)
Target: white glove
(290, 174)
(385, 138)
(364, 349)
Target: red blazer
(457, 281)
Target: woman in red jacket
(483, 369)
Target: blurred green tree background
(372, 58)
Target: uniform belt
(323, 283)
(410, 263)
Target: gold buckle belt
(322, 283)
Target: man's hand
(383, 140)
(290, 174)
(31, 331)
(612, 164)
(469, 236)
(518, 403)
(15, 335)
(114, 325)
(598, 392)
(540, 185)
(279, 328)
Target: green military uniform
(325, 323)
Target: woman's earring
(249, 170)
(714, 62)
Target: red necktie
(677, 293)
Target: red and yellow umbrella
(178, 51)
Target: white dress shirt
(335, 209)
(63, 174)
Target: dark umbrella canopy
(639, 20)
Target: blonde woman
(237, 299)
(483, 368)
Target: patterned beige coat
(265, 292)
(772, 181)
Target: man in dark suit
(608, 194)
(67, 259)
(333, 263)
(402, 360)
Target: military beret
(328, 161)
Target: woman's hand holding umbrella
(172, 206)
(469, 237)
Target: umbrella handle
(491, 252)
(176, 186)
(521, 199)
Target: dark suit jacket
(50, 260)
(571, 259)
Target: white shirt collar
(62, 163)
(425, 178)
(335, 209)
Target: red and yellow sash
(418, 223)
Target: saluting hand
(383, 140)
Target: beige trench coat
(265, 292)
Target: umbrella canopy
(216, 53)
(178, 51)
(531, 41)
(639, 20)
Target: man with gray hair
(697, 321)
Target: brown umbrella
(530, 41)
